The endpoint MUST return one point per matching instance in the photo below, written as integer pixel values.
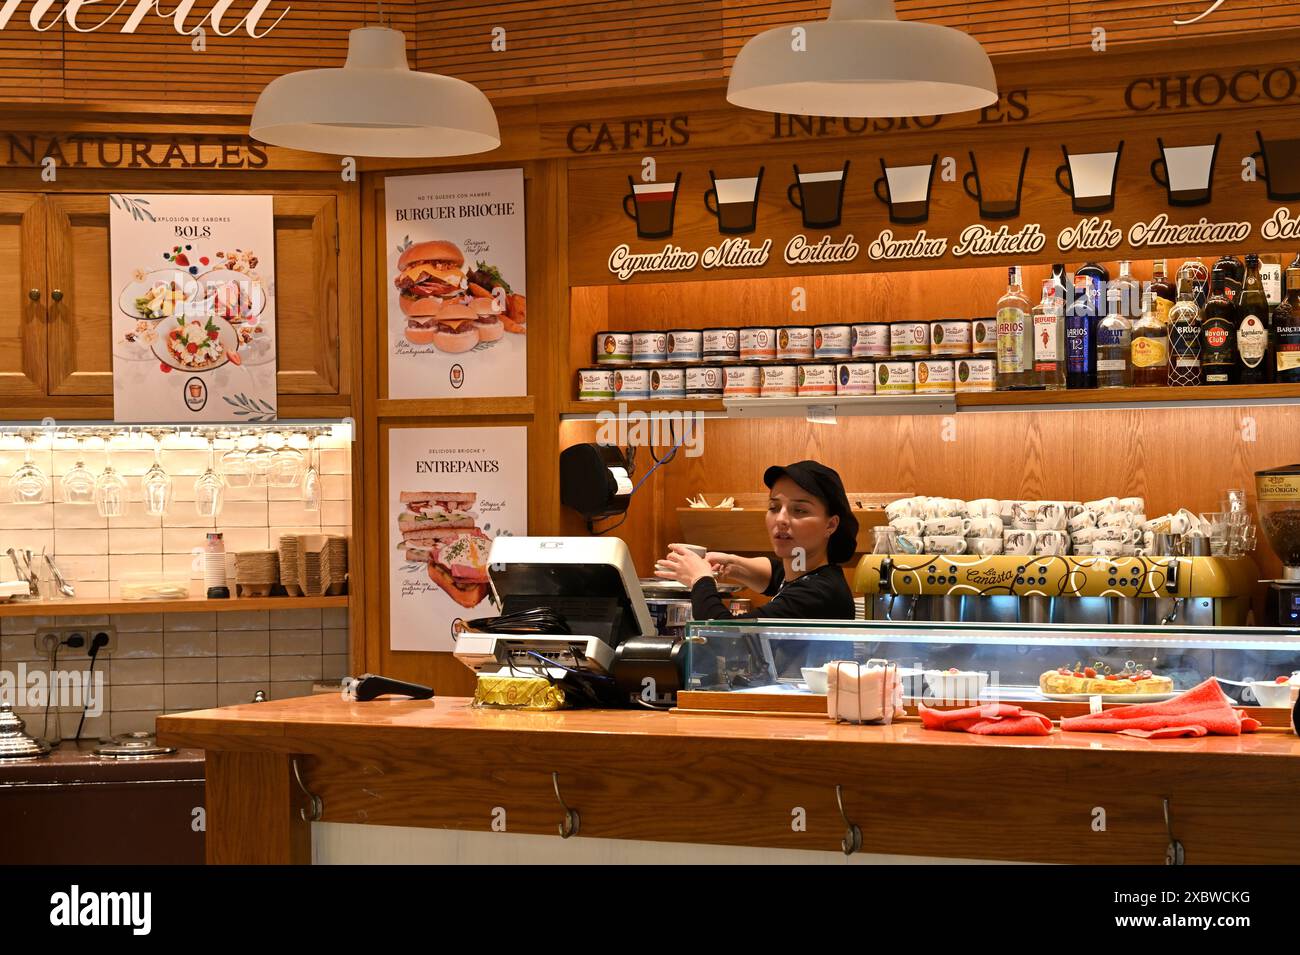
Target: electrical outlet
(48, 637)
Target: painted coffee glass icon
(734, 202)
(1186, 172)
(1280, 168)
(906, 190)
(819, 196)
(996, 196)
(1091, 185)
(652, 206)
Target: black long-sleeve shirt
(821, 594)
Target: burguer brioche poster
(450, 492)
(457, 305)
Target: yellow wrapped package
(517, 692)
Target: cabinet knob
(34, 294)
(57, 295)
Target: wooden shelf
(592, 408)
(453, 407)
(90, 607)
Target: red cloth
(1199, 711)
(991, 719)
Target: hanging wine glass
(260, 457)
(29, 485)
(110, 487)
(286, 465)
(234, 466)
(209, 488)
(157, 483)
(311, 489)
(78, 484)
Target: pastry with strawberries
(1100, 679)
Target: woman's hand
(682, 565)
(754, 573)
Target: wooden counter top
(257, 725)
(737, 780)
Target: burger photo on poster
(449, 308)
(439, 535)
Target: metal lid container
(15, 744)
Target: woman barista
(813, 531)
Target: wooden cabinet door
(22, 318)
(80, 298)
(307, 294)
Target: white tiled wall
(172, 662)
(94, 552)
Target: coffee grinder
(1278, 491)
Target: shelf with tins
(855, 405)
(93, 607)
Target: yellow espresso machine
(1007, 588)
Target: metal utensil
(60, 581)
(24, 573)
(33, 580)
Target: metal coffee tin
(685, 345)
(631, 384)
(870, 341)
(950, 337)
(668, 383)
(975, 374)
(984, 336)
(613, 348)
(794, 342)
(721, 344)
(757, 344)
(649, 348)
(856, 378)
(742, 381)
(895, 378)
(704, 381)
(934, 376)
(816, 380)
(832, 341)
(909, 339)
(595, 384)
(778, 381)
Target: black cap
(823, 482)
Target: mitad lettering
(47, 14)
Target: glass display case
(782, 656)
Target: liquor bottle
(1286, 331)
(1185, 336)
(1286, 284)
(1114, 343)
(1061, 282)
(1049, 337)
(1196, 272)
(1219, 334)
(1094, 270)
(1150, 346)
(1081, 318)
(1015, 343)
(1164, 290)
(1229, 274)
(1130, 292)
(1270, 274)
(1253, 328)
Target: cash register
(566, 603)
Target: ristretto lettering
(980, 240)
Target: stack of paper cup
(214, 563)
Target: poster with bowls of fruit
(457, 305)
(194, 317)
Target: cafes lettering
(89, 149)
(655, 132)
(45, 15)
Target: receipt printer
(594, 480)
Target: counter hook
(852, 840)
(317, 807)
(570, 825)
(1174, 854)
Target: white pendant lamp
(863, 61)
(375, 106)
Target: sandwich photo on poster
(450, 492)
(457, 305)
(193, 301)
